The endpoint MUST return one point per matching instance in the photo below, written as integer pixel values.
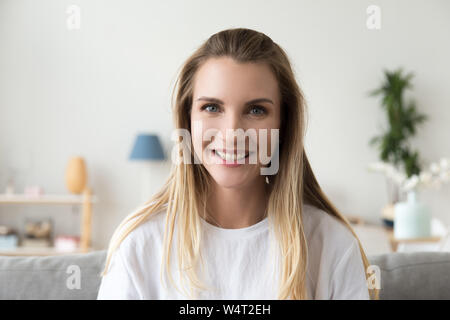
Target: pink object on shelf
(33, 191)
(66, 243)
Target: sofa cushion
(52, 277)
(414, 275)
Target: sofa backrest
(414, 275)
(418, 275)
(52, 277)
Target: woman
(219, 229)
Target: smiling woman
(237, 236)
(240, 87)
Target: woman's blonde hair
(185, 191)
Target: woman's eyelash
(208, 105)
(251, 107)
(260, 108)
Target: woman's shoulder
(149, 231)
(325, 230)
(335, 265)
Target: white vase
(412, 218)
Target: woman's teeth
(230, 156)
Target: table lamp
(147, 150)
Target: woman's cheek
(196, 135)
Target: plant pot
(412, 219)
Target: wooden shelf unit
(395, 242)
(86, 199)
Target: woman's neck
(233, 208)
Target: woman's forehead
(225, 79)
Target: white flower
(438, 174)
(434, 168)
(411, 183)
(400, 178)
(425, 178)
(444, 164)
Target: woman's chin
(229, 181)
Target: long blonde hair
(186, 189)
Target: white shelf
(44, 199)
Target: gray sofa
(424, 275)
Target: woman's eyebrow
(215, 100)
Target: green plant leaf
(402, 118)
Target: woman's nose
(232, 121)
(232, 129)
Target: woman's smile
(229, 159)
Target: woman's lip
(228, 163)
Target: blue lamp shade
(147, 147)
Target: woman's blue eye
(261, 110)
(206, 106)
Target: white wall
(89, 91)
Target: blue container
(9, 241)
(412, 219)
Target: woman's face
(227, 96)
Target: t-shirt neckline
(239, 232)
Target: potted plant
(398, 161)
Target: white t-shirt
(240, 263)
